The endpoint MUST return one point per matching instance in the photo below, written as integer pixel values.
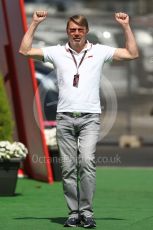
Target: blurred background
(126, 87)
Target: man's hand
(39, 16)
(26, 44)
(131, 50)
(122, 18)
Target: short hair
(79, 20)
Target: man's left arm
(131, 50)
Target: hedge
(6, 122)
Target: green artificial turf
(123, 200)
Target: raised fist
(39, 16)
(122, 18)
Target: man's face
(76, 34)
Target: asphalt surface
(114, 156)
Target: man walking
(78, 65)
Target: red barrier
(21, 85)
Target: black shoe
(72, 222)
(88, 222)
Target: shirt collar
(89, 45)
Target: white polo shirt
(85, 98)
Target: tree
(6, 122)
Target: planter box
(8, 176)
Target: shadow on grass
(61, 220)
(109, 218)
(58, 220)
(18, 194)
(11, 195)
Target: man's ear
(66, 30)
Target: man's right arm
(26, 45)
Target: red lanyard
(77, 66)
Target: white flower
(12, 150)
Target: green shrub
(6, 122)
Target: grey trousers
(77, 139)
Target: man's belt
(75, 114)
